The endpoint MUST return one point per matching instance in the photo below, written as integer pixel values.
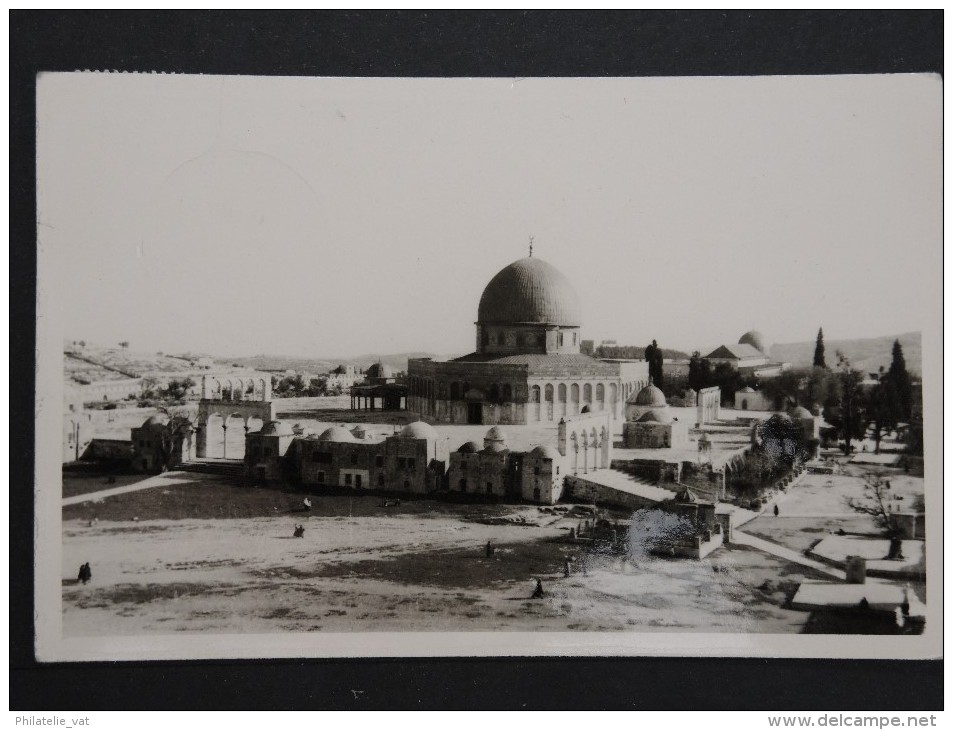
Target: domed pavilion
(527, 366)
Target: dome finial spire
(531, 238)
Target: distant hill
(867, 355)
(92, 363)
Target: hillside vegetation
(867, 355)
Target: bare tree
(181, 424)
(876, 504)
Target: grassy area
(84, 482)
(453, 568)
(213, 498)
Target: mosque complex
(562, 423)
(554, 414)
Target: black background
(385, 43)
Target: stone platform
(836, 548)
(824, 595)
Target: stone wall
(578, 488)
(658, 471)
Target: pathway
(743, 538)
(168, 479)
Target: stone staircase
(232, 469)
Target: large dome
(753, 338)
(530, 291)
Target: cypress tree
(653, 354)
(819, 350)
(900, 380)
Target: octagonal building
(527, 367)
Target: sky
(320, 217)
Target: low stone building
(154, 436)
(412, 461)
(266, 453)
(649, 423)
(655, 429)
(344, 376)
(704, 530)
(807, 421)
(647, 399)
(496, 471)
(749, 399)
(749, 357)
(583, 444)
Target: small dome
(648, 396)
(336, 433)
(530, 291)
(656, 416)
(495, 434)
(753, 338)
(359, 432)
(159, 419)
(470, 447)
(276, 428)
(800, 412)
(704, 439)
(545, 452)
(747, 389)
(494, 447)
(419, 430)
(686, 496)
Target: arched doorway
(233, 437)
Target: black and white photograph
(343, 367)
